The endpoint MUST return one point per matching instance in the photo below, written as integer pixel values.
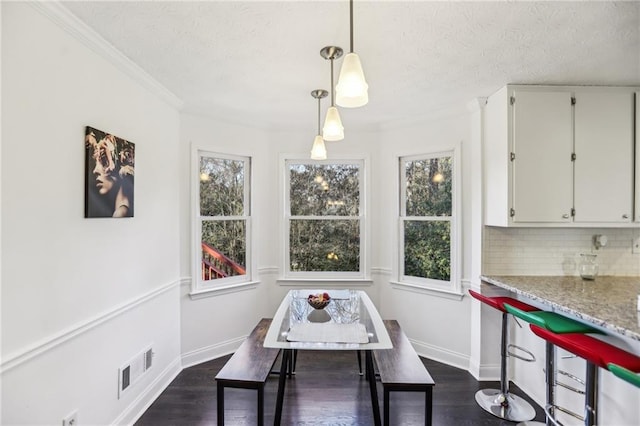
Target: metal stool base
(516, 410)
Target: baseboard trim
(439, 354)
(484, 372)
(137, 408)
(210, 352)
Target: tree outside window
(223, 214)
(324, 217)
(426, 216)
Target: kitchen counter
(608, 302)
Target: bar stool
(500, 402)
(556, 324)
(625, 374)
(596, 353)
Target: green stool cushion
(624, 374)
(551, 321)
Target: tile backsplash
(556, 251)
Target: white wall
(81, 296)
(233, 315)
(215, 325)
(437, 326)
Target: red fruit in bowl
(325, 296)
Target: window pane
(428, 191)
(427, 249)
(221, 187)
(223, 249)
(324, 190)
(324, 245)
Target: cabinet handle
(625, 216)
(565, 216)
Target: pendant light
(318, 151)
(333, 129)
(352, 89)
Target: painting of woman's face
(103, 171)
(109, 175)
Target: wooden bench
(248, 368)
(401, 369)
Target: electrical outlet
(635, 248)
(71, 419)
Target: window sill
(302, 282)
(431, 291)
(218, 291)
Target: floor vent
(134, 369)
(148, 359)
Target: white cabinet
(559, 156)
(542, 145)
(603, 185)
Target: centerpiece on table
(319, 301)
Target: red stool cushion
(593, 350)
(497, 302)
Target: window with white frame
(429, 237)
(222, 222)
(324, 219)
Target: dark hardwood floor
(326, 390)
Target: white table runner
(328, 333)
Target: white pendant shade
(333, 129)
(318, 151)
(352, 89)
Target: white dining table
(349, 322)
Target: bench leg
(372, 386)
(286, 359)
(385, 406)
(261, 405)
(220, 404)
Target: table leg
(286, 359)
(429, 406)
(372, 386)
(220, 404)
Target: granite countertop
(610, 303)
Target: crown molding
(61, 16)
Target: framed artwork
(109, 172)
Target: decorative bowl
(319, 301)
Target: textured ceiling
(256, 62)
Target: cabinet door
(543, 145)
(603, 188)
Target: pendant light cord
(351, 24)
(332, 88)
(319, 116)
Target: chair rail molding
(46, 344)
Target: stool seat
(497, 302)
(591, 349)
(550, 321)
(625, 374)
